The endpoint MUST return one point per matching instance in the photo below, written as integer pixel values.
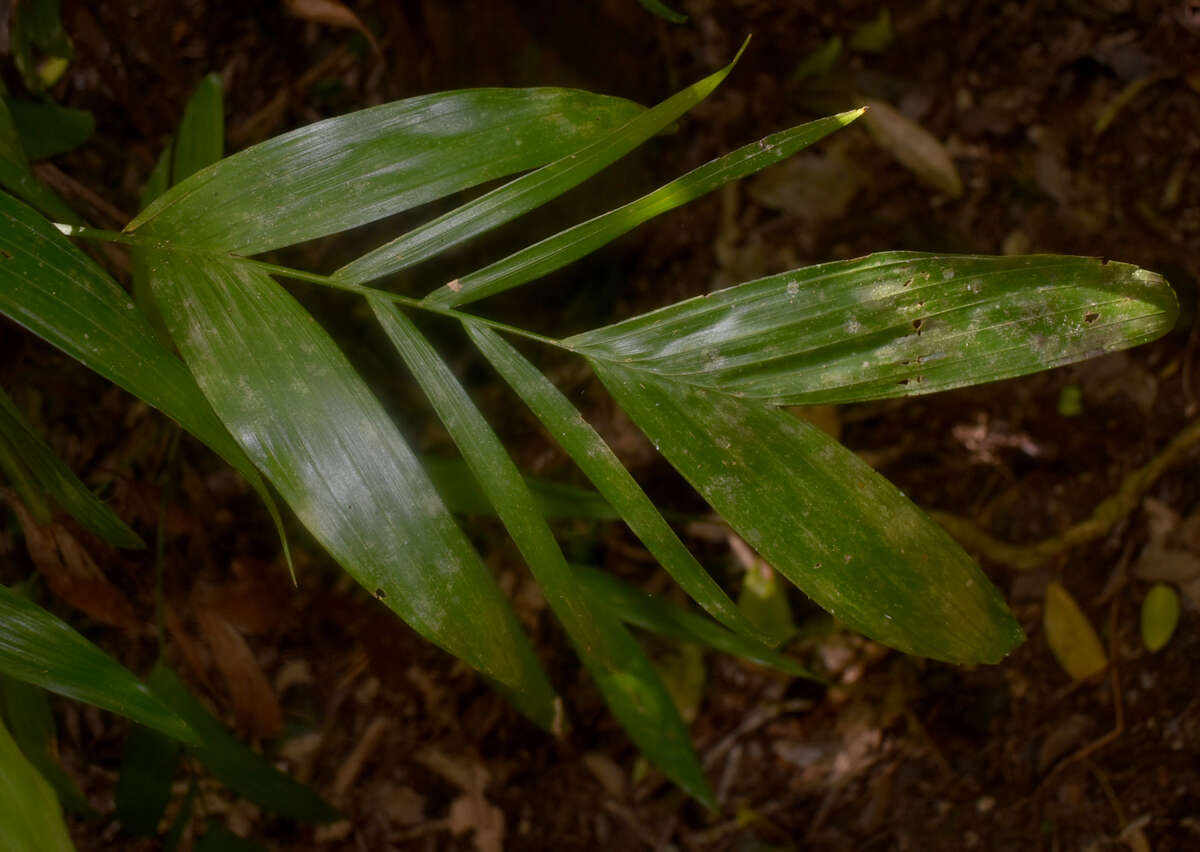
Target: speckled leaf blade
(597, 460)
(527, 192)
(54, 290)
(824, 519)
(633, 606)
(308, 421)
(30, 817)
(233, 763)
(75, 498)
(41, 649)
(626, 677)
(574, 243)
(892, 324)
(346, 171)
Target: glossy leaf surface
(583, 239)
(525, 193)
(346, 171)
(628, 680)
(892, 324)
(597, 460)
(308, 421)
(824, 519)
(54, 290)
(40, 649)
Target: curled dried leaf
(330, 12)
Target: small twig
(753, 721)
(1103, 518)
(64, 184)
(631, 821)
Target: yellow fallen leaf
(1071, 637)
(1160, 614)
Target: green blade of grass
(17, 177)
(59, 482)
(233, 763)
(633, 606)
(40, 649)
(604, 469)
(346, 171)
(30, 817)
(571, 244)
(528, 192)
(309, 422)
(148, 765)
(626, 677)
(47, 130)
(663, 11)
(823, 518)
(892, 324)
(200, 141)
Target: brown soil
(898, 753)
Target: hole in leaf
(380, 593)
(903, 382)
(5, 254)
(919, 325)
(1090, 317)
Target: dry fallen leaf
(913, 146)
(470, 811)
(330, 12)
(72, 574)
(255, 705)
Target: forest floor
(896, 752)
